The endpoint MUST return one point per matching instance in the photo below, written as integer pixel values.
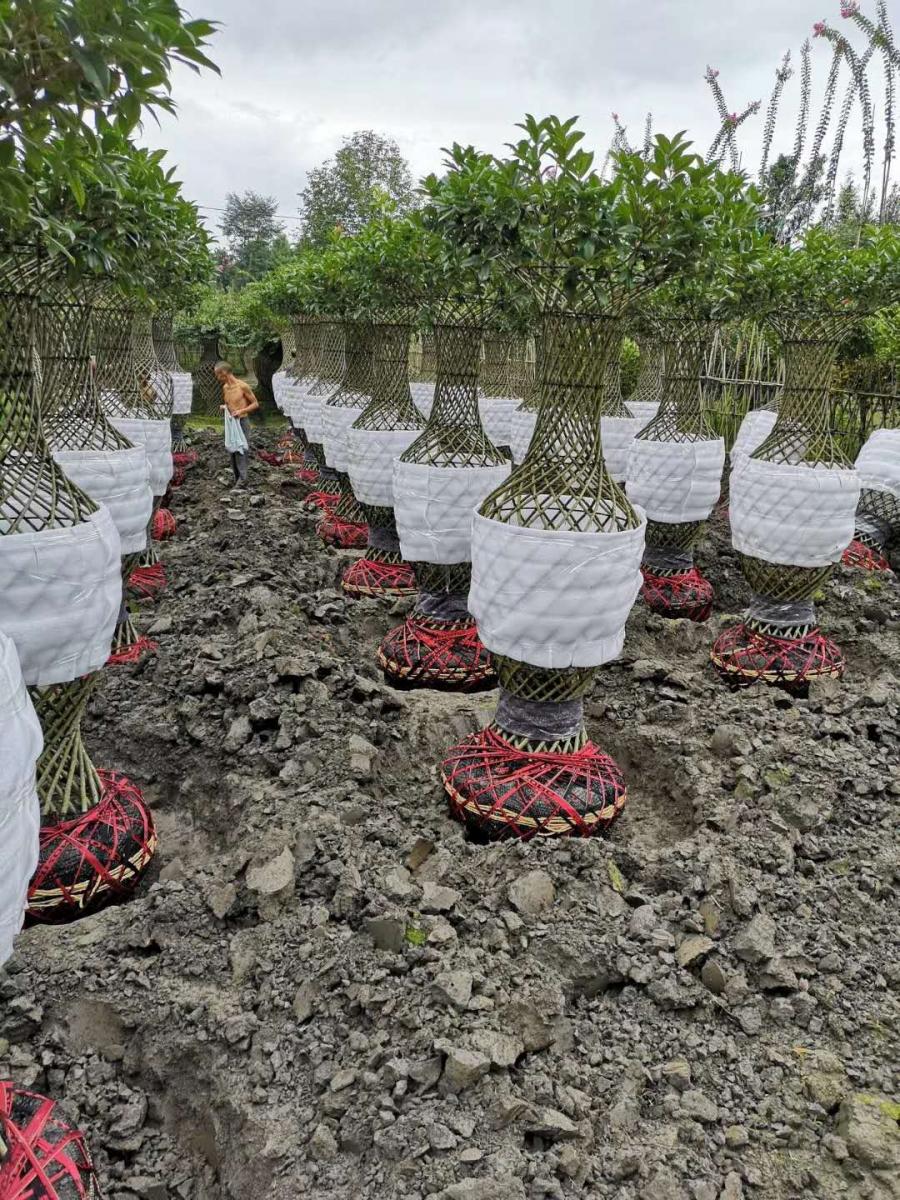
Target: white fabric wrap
(423, 397)
(878, 463)
(182, 392)
(156, 438)
(521, 430)
(337, 422)
(372, 454)
(313, 418)
(61, 592)
(553, 598)
(755, 428)
(120, 479)
(292, 394)
(20, 814)
(791, 514)
(617, 434)
(433, 507)
(675, 481)
(645, 410)
(279, 379)
(496, 416)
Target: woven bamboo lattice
(648, 388)
(153, 378)
(209, 390)
(328, 370)
(288, 350)
(423, 358)
(306, 347)
(496, 365)
(164, 342)
(354, 391)
(129, 379)
(790, 652)
(391, 408)
(34, 493)
(67, 780)
(563, 483)
(72, 416)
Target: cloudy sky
(299, 75)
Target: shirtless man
(240, 402)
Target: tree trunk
(265, 364)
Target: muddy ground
(322, 989)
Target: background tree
(354, 186)
(255, 240)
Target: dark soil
(323, 989)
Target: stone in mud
(304, 1001)
(755, 943)
(532, 893)
(502, 1049)
(322, 1145)
(462, 1068)
(453, 988)
(868, 1125)
(275, 877)
(498, 1187)
(699, 1107)
(239, 733)
(438, 899)
(388, 933)
(693, 950)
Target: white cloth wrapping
(337, 422)
(61, 591)
(120, 479)
(617, 434)
(20, 815)
(313, 417)
(496, 416)
(372, 454)
(551, 598)
(156, 438)
(878, 463)
(433, 507)
(278, 381)
(292, 394)
(182, 392)
(521, 430)
(755, 428)
(791, 514)
(675, 481)
(646, 410)
(423, 397)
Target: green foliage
(629, 365)
(884, 334)
(824, 274)
(72, 72)
(216, 312)
(255, 239)
(591, 240)
(367, 177)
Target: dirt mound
(323, 989)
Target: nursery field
(325, 987)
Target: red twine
(133, 653)
(94, 857)
(687, 595)
(343, 535)
(323, 500)
(436, 656)
(307, 475)
(864, 558)
(184, 458)
(148, 582)
(365, 577)
(744, 655)
(46, 1159)
(509, 792)
(163, 525)
(292, 457)
(269, 456)
(177, 478)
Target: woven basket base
(745, 656)
(138, 650)
(446, 657)
(163, 525)
(343, 535)
(45, 1157)
(688, 596)
(96, 857)
(308, 475)
(863, 558)
(323, 501)
(502, 791)
(366, 577)
(146, 583)
(184, 458)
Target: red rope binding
(745, 656)
(368, 578)
(133, 653)
(163, 525)
(307, 475)
(431, 656)
(864, 558)
(323, 500)
(177, 478)
(46, 1159)
(270, 457)
(148, 582)
(343, 535)
(509, 792)
(184, 458)
(95, 857)
(688, 595)
(292, 457)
